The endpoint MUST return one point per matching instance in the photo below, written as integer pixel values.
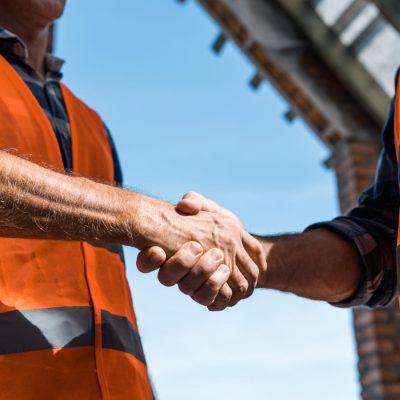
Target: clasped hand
(218, 266)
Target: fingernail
(216, 254)
(195, 249)
(154, 256)
(224, 269)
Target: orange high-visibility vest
(397, 144)
(397, 150)
(67, 325)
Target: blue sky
(184, 119)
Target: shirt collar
(13, 44)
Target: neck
(35, 37)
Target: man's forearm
(318, 264)
(38, 203)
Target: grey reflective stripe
(119, 334)
(65, 327)
(50, 328)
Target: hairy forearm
(38, 203)
(318, 264)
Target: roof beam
(391, 10)
(295, 69)
(345, 64)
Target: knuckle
(166, 278)
(223, 298)
(185, 288)
(228, 240)
(253, 277)
(243, 288)
(201, 275)
(249, 292)
(212, 284)
(206, 269)
(237, 295)
(203, 297)
(182, 261)
(234, 300)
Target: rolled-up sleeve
(372, 227)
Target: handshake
(204, 249)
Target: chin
(52, 9)
(45, 10)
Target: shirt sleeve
(372, 227)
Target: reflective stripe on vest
(59, 328)
(68, 328)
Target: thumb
(150, 259)
(190, 206)
(192, 203)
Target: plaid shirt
(48, 94)
(372, 226)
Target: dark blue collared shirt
(48, 94)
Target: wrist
(264, 281)
(153, 222)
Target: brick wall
(378, 345)
(377, 332)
